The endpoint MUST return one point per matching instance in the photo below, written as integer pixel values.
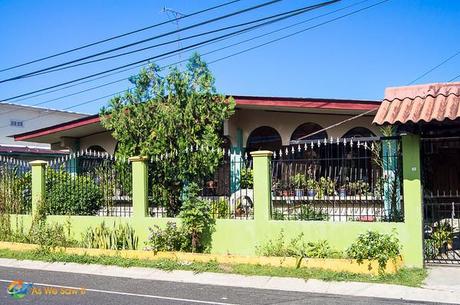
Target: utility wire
(131, 64)
(212, 20)
(118, 36)
(351, 13)
(435, 67)
(287, 14)
(210, 52)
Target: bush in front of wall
(373, 245)
(194, 233)
(297, 247)
(171, 238)
(118, 237)
(68, 194)
(197, 221)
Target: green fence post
(262, 184)
(38, 184)
(412, 190)
(140, 186)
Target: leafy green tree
(170, 114)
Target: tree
(169, 115)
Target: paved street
(115, 290)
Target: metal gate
(441, 199)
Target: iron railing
(338, 180)
(228, 190)
(15, 186)
(89, 183)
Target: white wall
(33, 118)
(104, 140)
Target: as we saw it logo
(18, 289)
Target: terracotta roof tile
(432, 102)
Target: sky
(355, 57)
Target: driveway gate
(441, 199)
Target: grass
(407, 277)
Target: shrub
(194, 233)
(68, 194)
(119, 237)
(197, 221)
(171, 238)
(373, 245)
(297, 247)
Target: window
(16, 123)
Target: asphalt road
(51, 287)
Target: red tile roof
(431, 102)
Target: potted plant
(326, 186)
(311, 187)
(299, 180)
(442, 236)
(343, 191)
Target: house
(432, 113)
(258, 123)
(22, 118)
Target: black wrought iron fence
(228, 190)
(338, 180)
(89, 183)
(15, 186)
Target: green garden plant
(220, 209)
(117, 237)
(171, 238)
(71, 194)
(247, 180)
(197, 221)
(442, 236)
(373, 245)
(297, 247)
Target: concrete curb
(258, 282)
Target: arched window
(306, 129)
(96, 148)
(358, 132)
(263, 138)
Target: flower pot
(342, 193)
(299, 192)
(311, 193)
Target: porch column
(412, 190)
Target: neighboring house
(258, 123)
(21, 118)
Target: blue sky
(356, 57)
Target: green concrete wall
(242, 236)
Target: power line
(452, 79)
(348, 14)
(435, 67)
(118, 36)
(235, 13)
(288, 14)
(131, 64)
(207, 53)
(301, 31)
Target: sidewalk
(439, 287)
